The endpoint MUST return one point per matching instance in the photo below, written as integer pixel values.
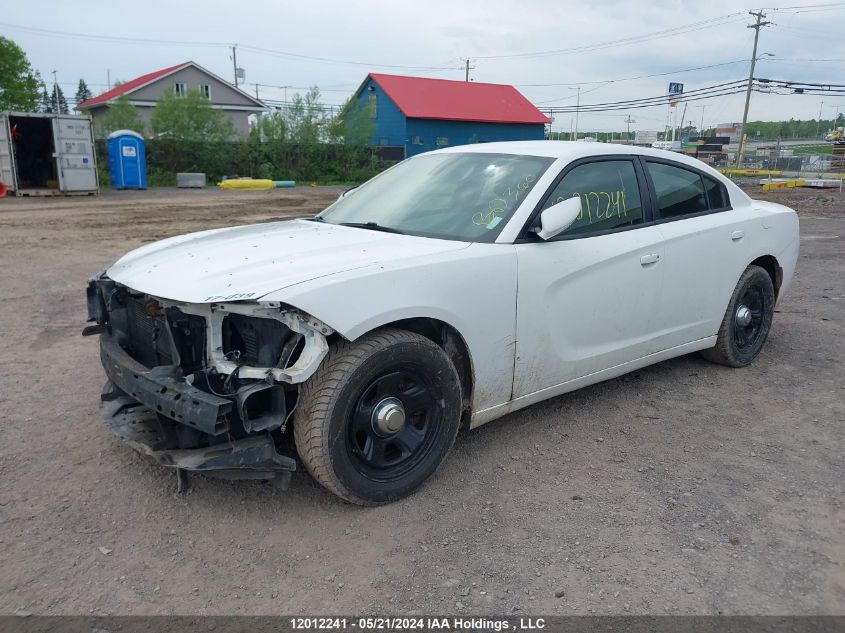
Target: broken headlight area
(211, 375)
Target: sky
(278, 42)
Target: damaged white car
(453, 288)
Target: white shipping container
(47, 154)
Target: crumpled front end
(203, 387)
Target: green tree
(82, 92)
(306, 118)
(58, 103)
(190, 118)
(19, 83)
(353, 125)
(273, 126)
(121, 115)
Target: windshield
(459, 196)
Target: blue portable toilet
(127, 160)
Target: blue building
(420, 114)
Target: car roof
(569, 150)
(573, 150)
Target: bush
(276, 160)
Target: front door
(586, 298)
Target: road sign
(675, 88)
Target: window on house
(441, 141)
(181, 89)
(205, 91)
(417, 140)
(371, 104)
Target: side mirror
(559, 217)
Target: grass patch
(814, 149)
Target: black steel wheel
(379, 416)
(393, 425)
(747, 320)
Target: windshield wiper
(374, 226)
(316, 218)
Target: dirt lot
(681, 488)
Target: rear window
(715, 194)
(679, 191)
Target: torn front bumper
(162, 389)
(254, 457)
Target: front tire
(378, 416)
(747, 320)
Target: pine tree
(44, 103)
(82, 92)
(58, 103)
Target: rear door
(74, 154)
(7, 163)
(587, 297)
(706, 250)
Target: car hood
(247, 262)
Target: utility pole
(56, 92)
(235, 62)
(256, 91)
(819, 120)
(756, 26)
(629, 120)
(468, 68)
(577, 107)
(701, 125)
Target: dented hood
(247, 262)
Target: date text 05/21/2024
(416, 624)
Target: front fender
(473, 290)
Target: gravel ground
(681, 488)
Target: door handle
(737, 235)
(651, 258)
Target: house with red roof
(145, 91)
(421, 114)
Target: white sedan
(454, 288)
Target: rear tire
(378, 416)
(747, 320)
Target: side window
(679, 191)
(716, 195)
(610, 196)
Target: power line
(254, 49)
(621, 79)
(663, 98)
(676, 30)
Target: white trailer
(47, 154)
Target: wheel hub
(388, 417)
(743, 316)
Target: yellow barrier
(750, 172)
(784, 184)
(247, 183)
